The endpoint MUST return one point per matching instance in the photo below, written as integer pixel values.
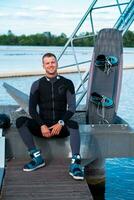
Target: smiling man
(55, 97)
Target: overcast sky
(57, 16)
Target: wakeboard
(105, 77)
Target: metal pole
(78, 27)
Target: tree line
(48, 39)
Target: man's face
(50, 65)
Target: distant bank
(41, 72)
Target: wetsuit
(50, 100)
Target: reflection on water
(115, 181)
(98, 190)
(95, 177)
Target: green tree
(128, 39)
(47, 39)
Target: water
(120, 179)
(119, 172)
(19, 58)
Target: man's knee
(72, 124)
(21, 121)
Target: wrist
(43, 125)
(61, 122)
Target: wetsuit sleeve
(33, 102)
(71, 103)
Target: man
(55, 97)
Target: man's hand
(55, 129)
(45, 131)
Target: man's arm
(71, 103)
(33, 102)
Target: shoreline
(41, 72)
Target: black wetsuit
(55, 99)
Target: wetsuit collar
(53, 79)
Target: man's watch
(61, 122)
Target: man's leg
(74, 141)
(75, 169)
(25, 126)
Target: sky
(55, 16)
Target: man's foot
(36, 163)
(75, 169)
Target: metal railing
(126, 18)
(123, 23)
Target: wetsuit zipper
(53, 112)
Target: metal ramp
(20, 97)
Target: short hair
(48, 55)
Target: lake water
(19, 58)
(119, 172)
